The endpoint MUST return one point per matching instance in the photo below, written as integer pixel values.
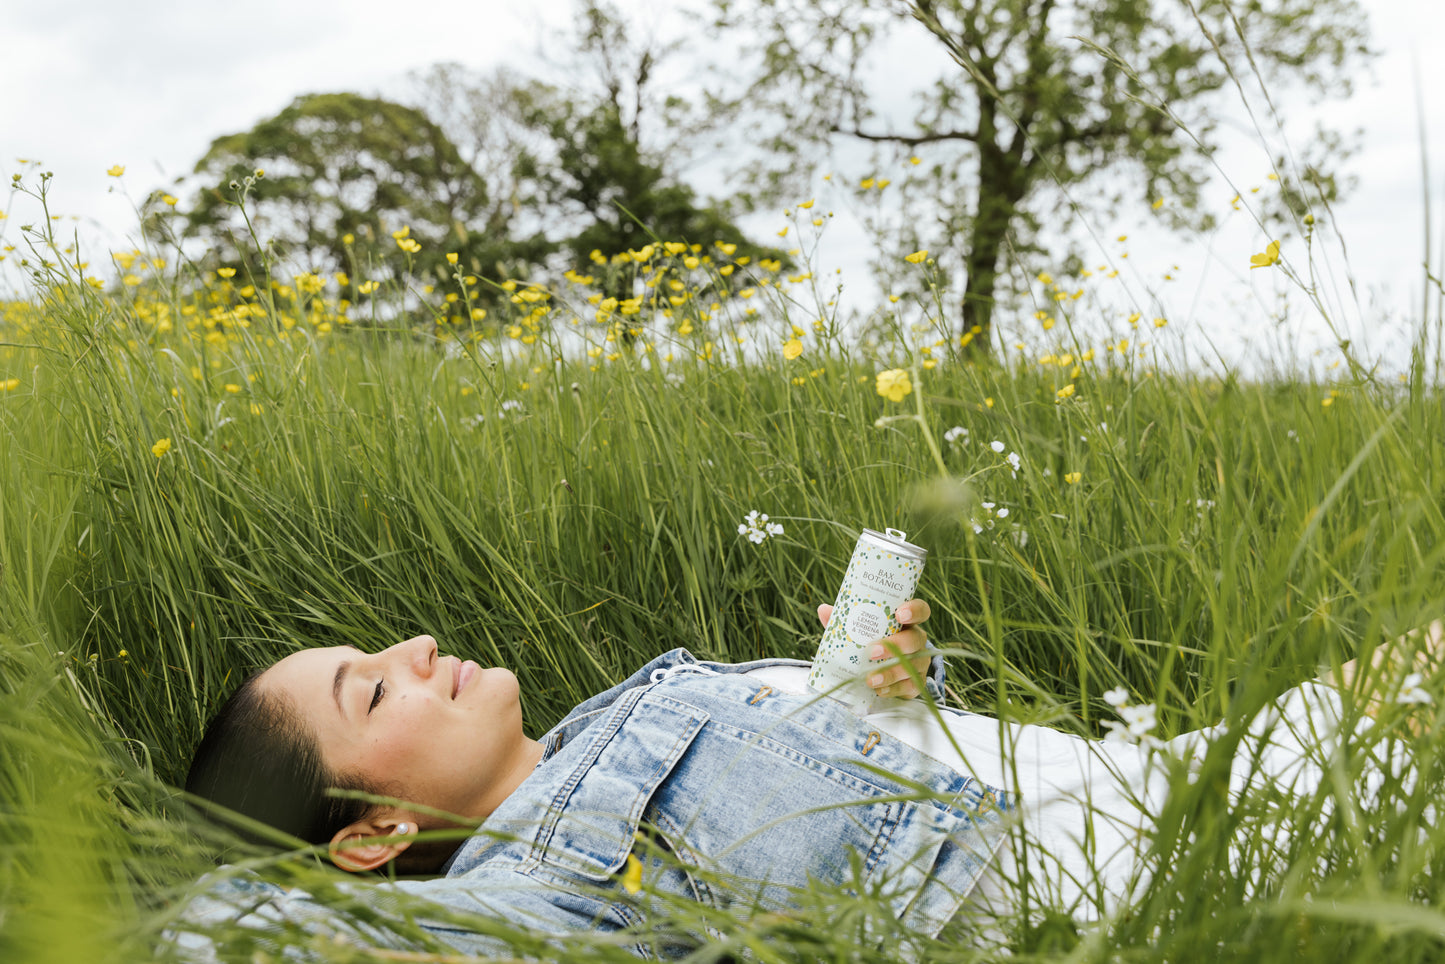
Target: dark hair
(258, 758)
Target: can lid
(897, 541)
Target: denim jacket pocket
(591, 821)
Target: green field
(199, 474)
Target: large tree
(341, 165)
(595, 163)
(1037, 97)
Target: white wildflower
(1014, 462)
(674, 379)
(757, 528)
(1141, 718)
(958, 435)
(987, 514)
(1138, 720)
(1410, 691)
(996, 445)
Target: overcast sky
(148, 84)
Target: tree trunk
(1002, 182)
(981, 265)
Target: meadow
(203, 471)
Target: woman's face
(433, 730)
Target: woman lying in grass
(730, 785)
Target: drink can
(881, 576)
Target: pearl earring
(402, 829)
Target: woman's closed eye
(376, 696)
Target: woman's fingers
(913, 612)
(896, 681)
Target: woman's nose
(418, 653)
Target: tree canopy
(340, 169)
(515, 176)
(1039, 96)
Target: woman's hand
(895, 681)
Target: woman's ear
(368, 844)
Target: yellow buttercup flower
(806, 204)
(893, 384)
(161, 447)
(1066, 392)
(409, 245)
(116, 171)
(9, 385)
(1073, 477)
(632, 875)
(452, 257)
(170, 199)
(1265, 259)
(404, 232)
(792, 348)
(916, 257)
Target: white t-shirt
(1085, 806)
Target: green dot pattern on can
(874, 585)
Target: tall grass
(1204, 542)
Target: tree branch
(913, 141)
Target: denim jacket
(742, 796)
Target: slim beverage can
(881, 576)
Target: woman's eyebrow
(337, 682)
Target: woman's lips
(465, 672)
